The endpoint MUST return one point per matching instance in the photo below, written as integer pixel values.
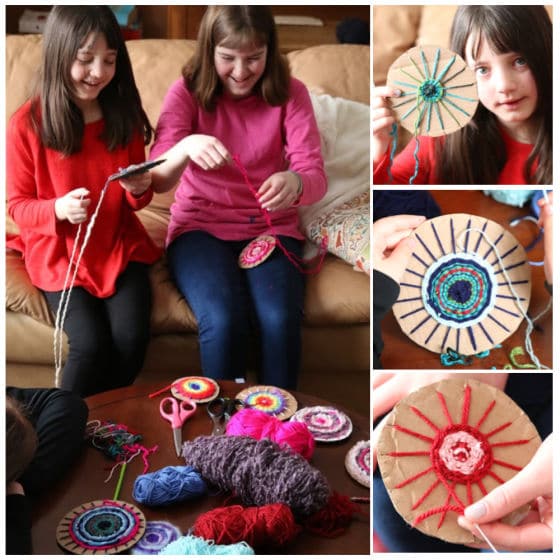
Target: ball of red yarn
(267, 526)
(260, 425)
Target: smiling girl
(236, 97)
(509, 139)
(83, 123)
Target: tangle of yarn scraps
(530, 322)
(117, 442)
(299, 263)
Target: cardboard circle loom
(447, 445)
(101, 527)
(456, 293)
(439, 93)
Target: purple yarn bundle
(259, 472)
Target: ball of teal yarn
(169, 485)
(512, 197)
(195, 545)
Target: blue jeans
(228, 302)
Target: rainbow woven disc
(257, 251)
(157, 536)
(455, 293)
(358, 463)
(101, 527)
(272, 400)
(325, 423)
(198, 389)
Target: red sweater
(403, 164)
(37, 176)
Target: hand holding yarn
(534, 482)
(280, 191)
(383, 120)
(259, 425)
(73, 206)
(137, 184)
(206, 151)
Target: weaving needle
(485, 538)
(119, 482)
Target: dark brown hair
(235, 27)
(54, 113)
(21, 440)
(476, 154)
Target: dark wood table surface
(402, 353)
(132, 407)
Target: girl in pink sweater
(236, 98)
(509, 139)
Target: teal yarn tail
(195, 545)
(416, 162)
(394, 141)
(453, 358)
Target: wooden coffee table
(132, 407)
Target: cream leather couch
(336, 330)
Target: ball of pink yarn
(260, 425)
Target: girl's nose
(505, 81)
(96, 69)
(240, 70)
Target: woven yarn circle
(267, 398)
(326, 423)
(439, 92)
(157, 536)
(257, 251)
(108, 526)
(358, 462)
(455, 293)
(197, 388)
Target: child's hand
(73, 206)
(383, 120)
(206, 151)
(532, 484)
(392, 243)
(137, 184)
(280, 191)
(545, 221)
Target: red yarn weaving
(460, 454)
(267, 526)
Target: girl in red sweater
(509, 139)
(84, 123)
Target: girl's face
(240, 69)
(92, 69)
(506, 86)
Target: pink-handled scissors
(180, 411)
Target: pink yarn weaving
(260, 425)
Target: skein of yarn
(267, 526)
(201, 547)
(169, 485)
(260, 425)
(259, 472)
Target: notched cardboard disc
(448, 444)
(439, 92)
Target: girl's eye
(85, 60)
(111, 61)
(227, 58)
(520, 61)
(481, 70)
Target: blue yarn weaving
(196, 545)
(168, 486)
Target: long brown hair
(476, 154)
(21, 440)
(54, 113)
(234, 27)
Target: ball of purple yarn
(169, 485)
(259, 472)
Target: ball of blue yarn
(196, 545)
(169, 485)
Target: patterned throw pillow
(347, 230)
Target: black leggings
(107, 337)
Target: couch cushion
(394, 32)
(315, 66)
